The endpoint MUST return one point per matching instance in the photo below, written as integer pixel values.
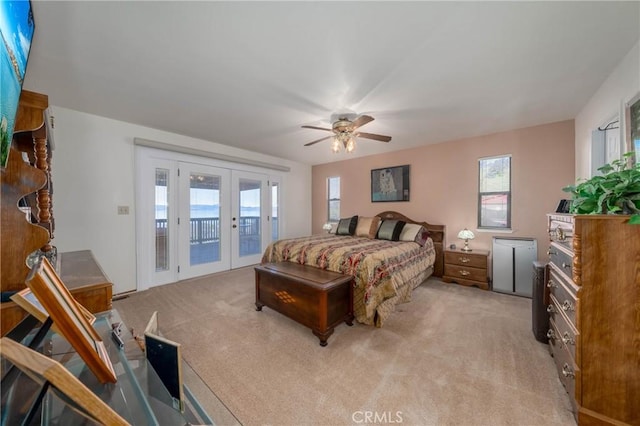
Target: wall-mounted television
(16, 32)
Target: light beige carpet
(453, 356)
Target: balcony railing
(204, 230)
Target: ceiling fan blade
(361, 121)
(380, 138)
(317, 128)
(316, 141)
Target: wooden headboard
(437, 235)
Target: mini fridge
(512, 259)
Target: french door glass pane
(204, 218)
(250, 234)
(161, 215)
(274, 211)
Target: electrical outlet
(123, 209)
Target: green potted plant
(616, 191)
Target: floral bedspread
(385, 272)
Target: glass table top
(139, 395)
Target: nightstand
(467, 267)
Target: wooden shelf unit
(27, 181)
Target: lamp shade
(465, 234)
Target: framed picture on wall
(390, 184)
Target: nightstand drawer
(466, 272)
(465, 259)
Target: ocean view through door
(249, 217)
(194, 218)
(204, 221)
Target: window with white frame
(333, 199)
(494, 192)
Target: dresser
(594, 309)
(467, 267)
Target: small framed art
(390, 184)
(165, 356)
(70, 320)
(30, 303)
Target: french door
(249, 217)
(204, 234)
(195, 219)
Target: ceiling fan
(345, 132)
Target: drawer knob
(550, 309)
(464, 273)
(465, 260)
(566, 338)
(567, 306)
(551, 284)
(551, 253)
(566, 265)
(551, 334)
(567, 371)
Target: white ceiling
(249, 74)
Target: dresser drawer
(562, 258)
(565, 330)
(465, 259)
(465, 272)
(564, 294)
(561, 233)
(567, 369)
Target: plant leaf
(606, 168)
(617, 190)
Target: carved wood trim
(20, 237)
(40, 150)
(577, 254)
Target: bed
(385, 272)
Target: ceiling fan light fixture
(344, 129)
(351, 144)
(335, 145)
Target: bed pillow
(367, 226)
(422, 236)
(409, 232)
(390, 230)
(347, 226)
(414, 232)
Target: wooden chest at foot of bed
(313, 297)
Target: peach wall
(444, 181)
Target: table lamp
(466, 235)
